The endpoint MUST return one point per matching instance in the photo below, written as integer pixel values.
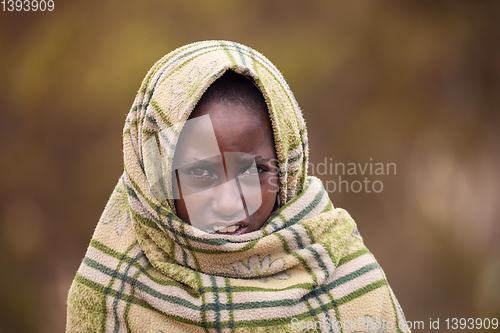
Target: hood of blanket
(167, 96)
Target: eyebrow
(207, 162)
(260, 158)
(217, 160)
(249, 158)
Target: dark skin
(245, 140)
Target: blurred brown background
(411, 83)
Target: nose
(226, 201)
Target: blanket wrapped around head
(146, 270)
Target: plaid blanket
(145, 270)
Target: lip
(241, 230)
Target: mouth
(235, 229)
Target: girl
(214, 225)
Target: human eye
(200, 173)
(254, 170)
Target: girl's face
(227, 170)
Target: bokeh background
(415, 83)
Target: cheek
(269, 190)
(180, 206)
(196, 207)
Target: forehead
(231, 126)
(232, 111)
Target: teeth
(220, 228)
